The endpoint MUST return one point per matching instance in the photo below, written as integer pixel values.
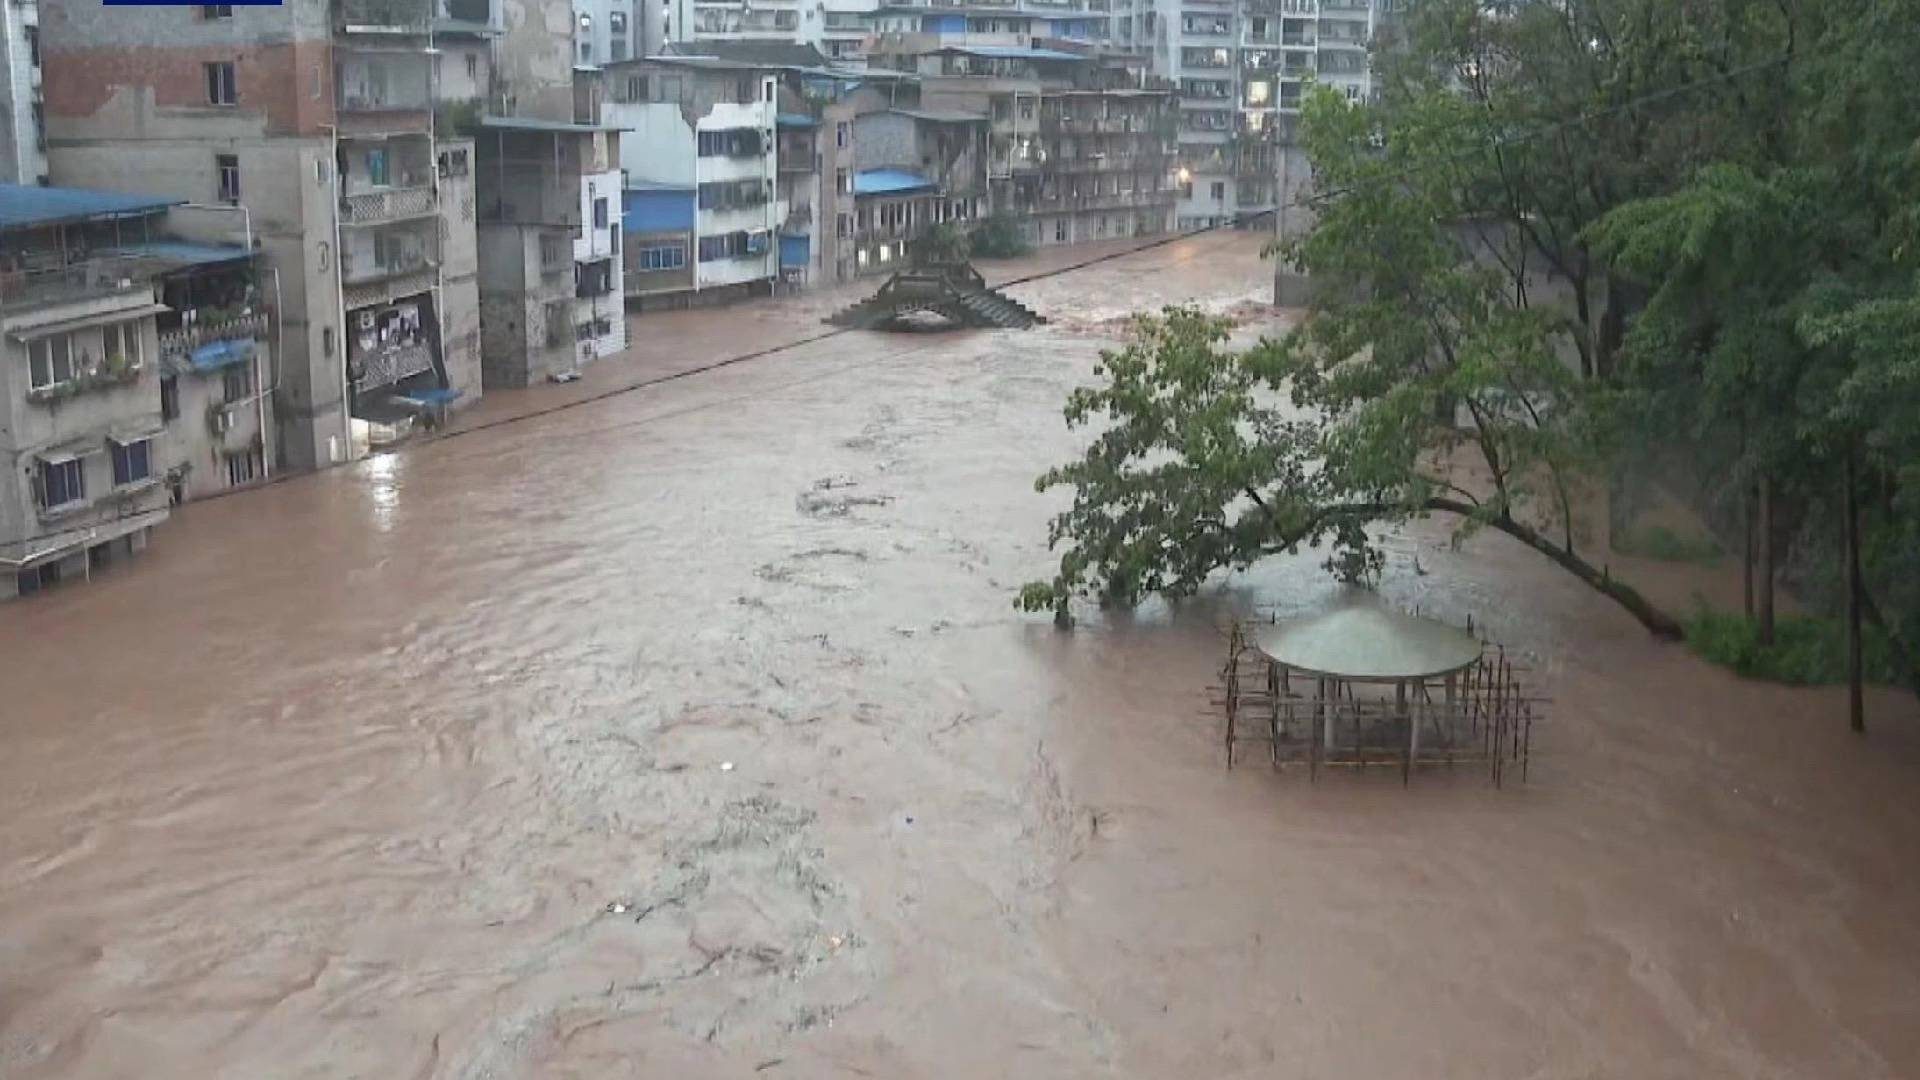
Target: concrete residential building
(916, 168)
(608, 31)
(317, 118)
(1241, 67)
(23, 126)
(599, 306)
(708, 125)
(106, 406)
(1080, 144)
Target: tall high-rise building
(1241, 68)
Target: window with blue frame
(662, 257)
(132, 462)
(61, 483)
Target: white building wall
(22, 159)
(606, 314)
(727, 116)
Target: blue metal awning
(214, 355)
(890, 182)
(430, 395)
(795, 120)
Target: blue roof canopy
(890, 182)
(181, 253)
(795, 120)
(27, 207)
(214, 355)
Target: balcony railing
(360, 269)
(384, 16)
(390, 204)
(389, 366)
(76, 281)
(182, 340)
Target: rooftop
(890, 182)
(772, 54)
(656, 186)
(26, 207)
(528, 123)
(795, 120)
(464, 27)
(942, 116)
(178, 254)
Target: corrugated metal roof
(890, 182)
(528, 123)
(26, 207)
(795, 120)
(943, 116)
(1013, 52)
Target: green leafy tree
(1418, 369)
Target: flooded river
(690, 732)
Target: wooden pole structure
(1856, 698)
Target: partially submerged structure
(954, 291)
(1366, 685)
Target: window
(728, 194)
(586, 52)
(220, 84)
(613, 240)
(730, 246)
(738, 142)
(170, 398)
(1219, 189)
(840, 181)
(243, 467)
(473, 66)
(617, 22)
(228, 167)
(377, 168)
(840, 134)
(216, 11)
(62, 483)
(617, 49)
(655, 257)
(123, 341)
(600, 213)
(132, 461)
(1059, 230)
(49, 361)
(235, 383)
(33, 45)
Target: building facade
(708, 125)
(317, 118)
(23, 125)
(132, 359)
(1241, 68)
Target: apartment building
(1241, 67)
(316, 117)
(23, 126)
(917, 168)
(609, 31)
(133, 349)
(599, 306)
(705, 125)
(1079, 144)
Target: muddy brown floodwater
(691, 733)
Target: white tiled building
(23, 131)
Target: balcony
(360, 268)
(390, 17)
(389, 366)
(387, 204)
(46, 286)
(208, 325)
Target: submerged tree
(1418, 372)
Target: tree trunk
(1856, 705)
(1656, 621)
(1765, 570)
(1746, 556)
